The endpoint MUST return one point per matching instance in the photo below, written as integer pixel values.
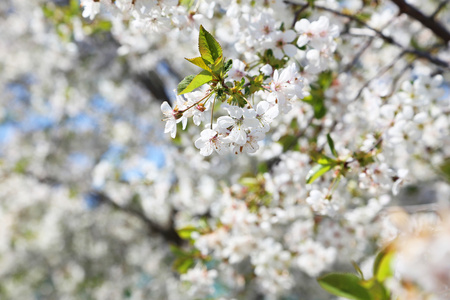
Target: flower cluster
(254, 98)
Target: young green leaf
(191, 82)
(358, 269)
(228, 65)
(186, 3)
(183, 264)
(382, 265)
(376, 289)
(344, 285)
(331, 144)
(185, 232)
(324, 160)
(209, 48)
(325, 79)
(198, 61)
(317, 171)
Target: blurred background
(92, 192)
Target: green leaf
(376, 289)
(184, 83)
(325, 79)
(331, 144)
(317, 171)
(316, 100)
(344, 285)
(74, 6)
(445, 169)
(185, 232)
(319, 108)
(186, 3)
(198, 61)
(288, 141)
(21, 166)
(311, 2)
(182, 265)
(209, 48)
(382, 265)
(191, 82)
(228, 65)
(357, 269)
(324, 160)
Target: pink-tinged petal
(290, 50)
(289, 36)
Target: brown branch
(439, 8)
(169, 234)
(428, 22)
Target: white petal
(302, 40)
(289, 36)
(166, 109)
(290, 50)
(262, 107)
(277, 53)
(199, 143)
(225, 122)
(272, 113)
(302, 25)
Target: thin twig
(439, 8)
(388, 39)
(298, 12)
(380, 73)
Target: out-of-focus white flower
(237, 70)
(201, 281)
(90, 8)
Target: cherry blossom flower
(208, 141)
(280, 43)
(172, 117)
(237, 70)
